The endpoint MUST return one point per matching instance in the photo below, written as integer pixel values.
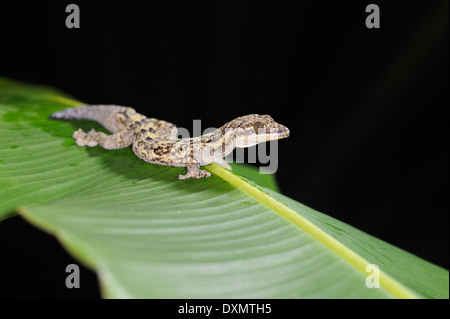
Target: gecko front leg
(194, 171)
(93, 138)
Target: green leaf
(146, 234)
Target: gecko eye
(258, 126)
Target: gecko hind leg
(194, 171)
(93, 138)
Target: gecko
(156, 141)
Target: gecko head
(252, 129)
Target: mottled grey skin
(155, 141)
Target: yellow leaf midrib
(387, 282)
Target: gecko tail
(106, 115)
(88, 112)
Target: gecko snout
(280, 131)
(284, 132)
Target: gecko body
(156, 141)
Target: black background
(367, 108)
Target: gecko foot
(86, 139)
(195, 173)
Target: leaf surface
(146, 234)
